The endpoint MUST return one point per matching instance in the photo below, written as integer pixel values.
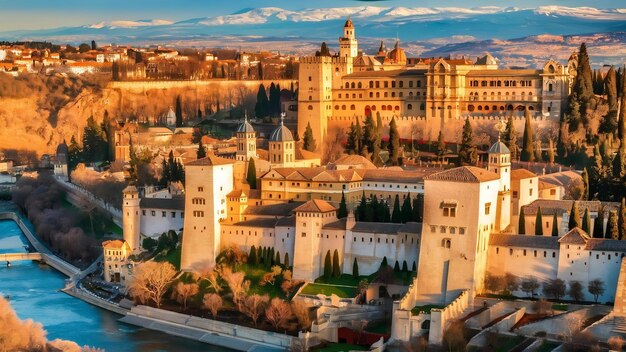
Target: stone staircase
(619, 324)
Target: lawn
(255, 273)
(340, 347)
(381, 327)
(425, 308)
(547, 346)
(325, 289)
(343, 280)
(102, 224)
(172, 256)
(560, 307)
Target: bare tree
(454, 337)
(575, 290)
(494, 283)
(542, 306)
(254, 305)
(270, 277)
(302, 313)
(150, 281)
(530, 285)
(358, 326)
(616, 343)
(212, 302)
(237, 283)
(212, 276)
(278, 313)
(596, 288)
(183, 291)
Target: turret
(130, 217)
(246, 141)
(282, 145)
(348, 46)
(500, 164)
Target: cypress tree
(369, 136)
(418, 207)
(358, 137)
(201, 151)
(441, 145)
(467, 151)
(324, 50)
(355, 269)
(262, 103)
(252, 256)
(405, 266)
(384, 263)
(336, 268)
(277, 259)
(612, 230)
(328, 266)
(370, 213)
(583, 85)
(251, 175)
(528, 153)
(308, 140)
(574, 217)
(596, 173)
(586, 222)
(342, 212)
(550, 151)
(406, 211)
(598, 225)
(396, 214)
(179, 112)
(259, 255)
(609, 123)
(555, 225)
(509, 138)
(396, 267)
(621, 220)
(362, 209)
(286, 262)
(621, 121)
(377, 144)
(619, 163)
(585, 177)
(522, 223)
(538, 223)
(352, 143)
(394, 142)
(414, 269)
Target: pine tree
(467, 151)
(621, 220)
(179, 112)
(95, 147)
(522, 223)
(583, 85)
(352, 143)
(441, 145)
(574, 217)
(362, 209)
(74, 155)
(555, 225)
(342, 212)
(586, 222)
(251, 174)
(598, 225)
(358, 136)
(619, 163)
(396, 214)
(324, 50)
(308, 140)
(262, 103)
(609, 123)
(528, 153)
(509, 138)
(406, 211)
(585, 177)
(201, 151)
(394, 142)
(597, 171)
(336, 267)
(418, 206)
(369, 136)
(355, 269)
(612, 228)
(538, 223)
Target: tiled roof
(289, 221)
(470, 174)
(561, 178)
(387, 228)
(575, 236)
(316, 206)
(406, 176)
(281, 134)
(499, 148)
(609, 245)
(524, 241)
(210, 160)
(303, 154)
(281, 209)
(115, 244)
(340, 224)
(175, 203)
(355, 160)
(390, 73)
(519, 174)
(258, 222)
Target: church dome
(397, 54)
(62, 149)
(245, 127)
(348, 23)
(499, 148)
(281, 134)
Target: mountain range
(425, 31)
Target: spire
(245, 115)
(382, 47)
(397, 44)
(282, 118)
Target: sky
(38, 14)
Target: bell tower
(348, 46)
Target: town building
(118, 268)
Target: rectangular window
(163, 214)
(433, 228)
(304, 234)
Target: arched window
(359, 85)
(383, 108)
(409, 107)
(470, 108)
(371, 84)
(446, 243)
(343, 107)
(352, 85)
(336, 107)
(352, 107)
(347, 85)
(310, 107)
(389, 107)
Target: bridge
(12, 257)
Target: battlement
(323, 60)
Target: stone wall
(565, 323)
(440, 319)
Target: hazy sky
(35, 14)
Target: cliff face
(39, 112)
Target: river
(34, 294)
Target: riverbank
(207, 331)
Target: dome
(348, 23)
(62, 149)
(281, 134)
(397, 54)
(499, 148)
(245, 127)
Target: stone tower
(348, 45)
(308, 261)
(207, 182)
(500, 163)
(246, 141)
(131, 220)
(282, 146)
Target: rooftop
(281, 209)
(210, 160)
(549, 207)
(519, 174)
(524, 241)
(468, 174)
(499, 148)
(174, 203)
(387, 228)
(316, 206)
